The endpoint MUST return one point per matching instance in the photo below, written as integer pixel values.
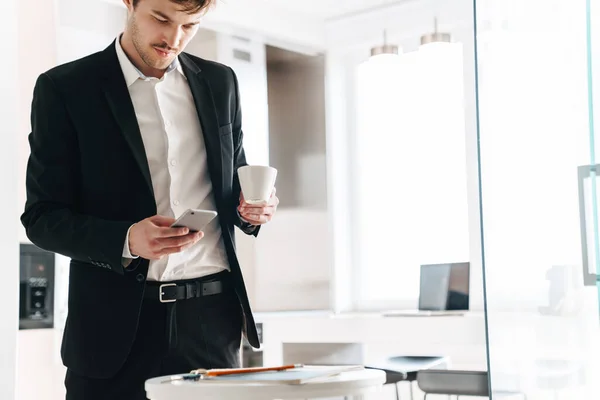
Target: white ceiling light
(386, 50)
(382, 66)
(435, 36)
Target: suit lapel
(119, 100)
(207, 113)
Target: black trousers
(208, 335)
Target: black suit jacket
(88, 181)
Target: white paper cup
(257, 182)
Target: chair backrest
(323, 353)
(452, 382)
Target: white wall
(9, 108)
(204, 44)
(292, 262)
(83, 28)
(277, 26)
(34, 56)
(252, 79)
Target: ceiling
(320, 9)
(331, 9)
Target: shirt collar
(130, 71)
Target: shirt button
(167, 123)
(140, 278)
(173, 162)
(176, 202)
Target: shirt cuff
(246, 226)
(127, 256)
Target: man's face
(160, 30)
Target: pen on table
(232, 371)
(198, 374)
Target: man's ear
(128, 4)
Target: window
(409, 166)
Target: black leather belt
(170, 292)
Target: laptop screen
(444, 287)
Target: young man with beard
(123, 142)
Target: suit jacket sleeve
(239, 160)
(51, 218)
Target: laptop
(443, 291)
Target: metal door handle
(583, 172)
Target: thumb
(160, 220)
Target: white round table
(347, 384)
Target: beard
(147, 53)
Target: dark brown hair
(189, 6)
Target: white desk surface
(353, 383)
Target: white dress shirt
(176, 154)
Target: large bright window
(409, 173)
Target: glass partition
(537, 61)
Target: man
(122, 142)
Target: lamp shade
(435, 37)
(385, 48)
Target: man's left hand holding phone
(154, 238)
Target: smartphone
(195, 220)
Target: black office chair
(406, 369)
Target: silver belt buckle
(161, 294)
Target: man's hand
(153, 238)
(258, 214)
